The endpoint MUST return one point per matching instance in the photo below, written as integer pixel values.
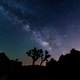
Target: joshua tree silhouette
(35, 54)
(44, 57)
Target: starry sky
(53, 25)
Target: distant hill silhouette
(72, 58)
(67, 67)
(3, 57)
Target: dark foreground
(67, 68)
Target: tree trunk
(33, 62)
(41, 63)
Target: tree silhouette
(35, 54)
(44, 57)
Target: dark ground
(66, 68)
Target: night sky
(49, 24)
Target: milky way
(47, 40)
(49, 24)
